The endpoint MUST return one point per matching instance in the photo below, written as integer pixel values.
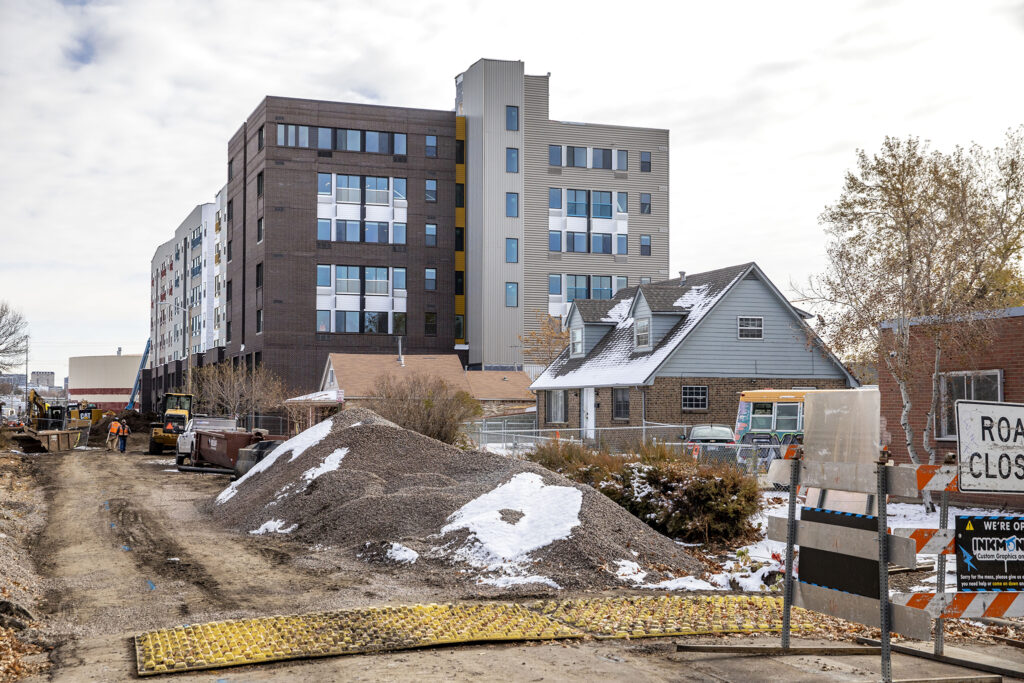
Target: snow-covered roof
(614, 361)
(327, 397)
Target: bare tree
(923, 246)
(6, 388)
(542, 345)
(225, 389)
(13, 337)
(425, 404)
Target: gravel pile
(394, 496)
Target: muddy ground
(123, 546)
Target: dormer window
(576, 341)
(642, 333)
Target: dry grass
(425, 404)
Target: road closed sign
(990, 446)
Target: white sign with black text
(990, 446)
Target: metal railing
(274, 424)
(512, 434)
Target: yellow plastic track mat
(270, 639)
(671, 615)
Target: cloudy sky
(116, 115)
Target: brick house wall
(1005, 351)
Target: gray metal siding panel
(713, 349)
(593, 334)
(640, 308)
(661, 324)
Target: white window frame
(646, 322)
(614, 403)
(942, 429)
(740, 327)
(575, 342)
(558, 397)
(683, 396)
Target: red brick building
(993, 372)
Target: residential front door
(587, 413)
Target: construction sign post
(989, 553)
(990, 446)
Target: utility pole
(26, 374)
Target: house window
(400, 143)
(348, 231)
(555, 284)
(601, 243)
(430, 191)
(398, 233)
(323, 276)
(323, 229)
(695, 398)
(375, 232)
(554, 198)
(642, 333)
(985, 385)
(601, 287)
(622, 160)
(460, 282)
(346, 321)
(460, 239)
(576, 242)
(511, 117)
(622, 202)
(621, 282)
(602, 204)
(348, 189)
(602, 158)
(620, 404)
(576, 157)
(430, 324)
(398, 280)
(460, 195)
(554, 155)
(645, 202)
(323, 138)
(430, 279)
(430, 235)
(430, 149)
(259, 275)
(556, 405)
(576, 287)
(259, 230)
(577, 202)
(460, 326)
(260, 138)
(511, 160)
(375, 322)
(645, 246)
(554, 240)
(511, 294)
(645, 162)
(576, 341)
(398, 188)
(398, 323)
(512, 204)
(622, 244)
(376, 280)
(323, 321)
(511, 250)
(377, 191)
(259, 320)
(750, 327)
(346, 280)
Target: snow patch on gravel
(330, 463)
(399, 553)
(276, 526)
(629, 571)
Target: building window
(460, 239)
(622, 160)
(622, 244)
(398, 323)
(695, 398)
(352, 140)
(227, 332)
(398, 278)
(555, 284)
(460, 282)
(259, 230)
(227, 291)
(259, 320)
(346, 321)
(554, 198)
(511, 294)
(576, 287)
(375, 232)
(323, 321)
(377, 143)
(750, 327)
(602, 202)
(602, 158)
(260, 138)
(398, 188)
(511, 117)
(430, 148)
(621, 282)
(323, 183)
(512, 204)
(398, 233)
(460, 195)
(511, 250)
(376, 280)
(554, 155)
(323, 138)
(259, 275)
(231, 209)
(323, 275)
(346, 280)
(576, 341)
(622, 202)
(554, 240)
(576, 242)
(430, 324)
(430, 279)
(645, 202)
(348, 189)
(400, 143)
(645, 245)
(984, 385)
(280, 134)
(645, 162)
(460, 151)
(231, 169)
(556, 405)
(430, 235)
(375, 322)
(576, 157)
(460, 326)
(576, 201)
(348, 231)
(645, 280)
(511, 160)
(259, 184)
(377, 191)
(620, 404)
(601, 243)
(430, 190)
(642, 333)
(601, 287)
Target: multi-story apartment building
(339, 229)
(555, 210)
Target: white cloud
(766, 103)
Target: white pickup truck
(187, 439)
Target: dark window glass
(623, 160)
(430, 193)
(602, 158)
(511, 160)
(430, 279)
(259, 320)
(323, 321)
(259, 184)
(377, 143)
(399, 323)
(348, 231)
(460, 239)
(555, 284)
(398, 280)
(260, 138)
(259, 275)
(227, 332)
(576, 201)
(601, 287)
(645, 245)
(323, 276)
(231, 169)
(511, 250)
(554, 240)
(346, 321)
(554, 198)
(398, 233)
(554, 155)
(512, 204)
(645, 202)
(323, 138)
(398, 188)
(602, 204)
(622, 244)
(645, 162)
(460, 195)
(259, 230)
(576, 287)
(511, 294)
(460, 282)
(431, 146)
(227, 291)
(576, 242)
(400, 143)
(620, 404)
(430, 324)
(229, 249)
(602, 244)
(460, 326)
(511, 118)
(576, 157)
(231, 209)
(375, 322)
(460, 151)
(430, 235)
(622, 202)
(375, 232)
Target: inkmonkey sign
(990, 446)
(989, 553)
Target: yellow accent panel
(460, 260)
(460, 217)
(460, 173)
(773, 395)
(460, 304)
(460, 127)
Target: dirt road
(126, 547)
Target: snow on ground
(629, 571)
(296, 445)
(330, 463)
(399, 553)
(683, 583)
(276, 526)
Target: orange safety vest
(115, 427)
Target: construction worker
(112, 432)
(122, 435)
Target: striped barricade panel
(964, 605)
(929, 541)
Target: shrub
(425, 404)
